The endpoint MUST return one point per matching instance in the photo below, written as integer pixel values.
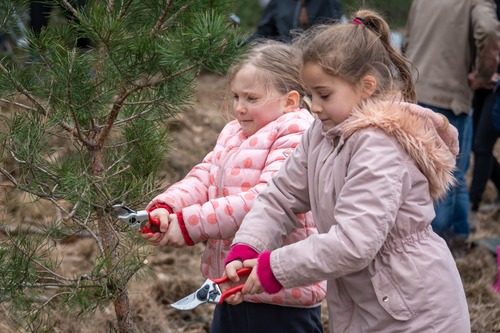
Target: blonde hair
(278, 62)
(351, 51)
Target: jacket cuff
(269, 283)
(240, 252)
(184, 231)
(160, 205)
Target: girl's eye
(235, 97)
(251, 98)
(324, 96)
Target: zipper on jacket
(230, 152)
(222, 168)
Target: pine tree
(86, 129)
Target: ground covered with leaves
(176, 271)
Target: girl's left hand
(174, 232)
(252, 285)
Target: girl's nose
(239, 107)
(315, 108)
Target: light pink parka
(370, 183)
(217, 193)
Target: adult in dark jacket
(280, 17)
(486, 166)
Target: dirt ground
(177, 270)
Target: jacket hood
(425, 135)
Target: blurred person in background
(446, 69)
(281, 17)
(40, 11)
(486, 166)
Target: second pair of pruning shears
(137, 220)
(210, 292)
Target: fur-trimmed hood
(426, 135)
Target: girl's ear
(368, 86)
(292, 101)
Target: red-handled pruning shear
(137, 219)
(210, 292)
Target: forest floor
(177, 270)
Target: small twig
(111, 5)
(173, 17)
(12, 230)
(9, 177)
(23, 106)
(70, 8)
(124, 9)
(162, 17)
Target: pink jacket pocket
(390, 297)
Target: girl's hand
(174, 233)
(158, 238)
(230, 271)
(252, 285)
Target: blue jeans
(452, 212)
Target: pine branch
(22, 106)
(40, 107)
(111, 5)
(162, 17)
(79, 134)
(23, 91)
(173, 17)
(70, 8)
(124, 9)
(41, 195)
(122, 97)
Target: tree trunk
(123, 314)
(110, 242)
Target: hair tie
(359, 21)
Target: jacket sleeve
(220, 218)
(486, 33)
(375, 185)
(273, 215)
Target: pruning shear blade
(210, 292)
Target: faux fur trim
(424, 134)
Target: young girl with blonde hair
(209, 204)
(369, 169)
